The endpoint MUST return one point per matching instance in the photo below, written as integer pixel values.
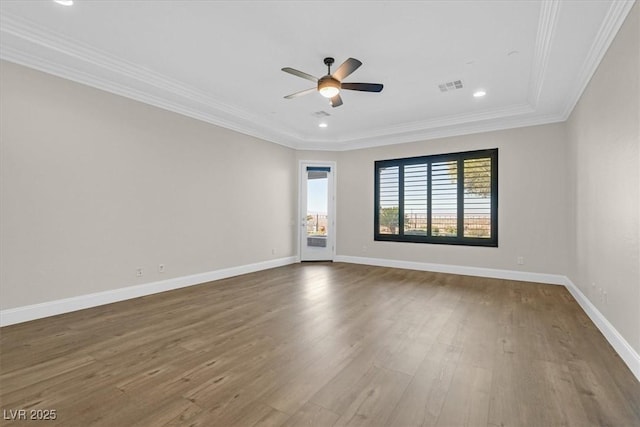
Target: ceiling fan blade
(302, 92)
(347, 67)
(364, 87)
(336, 101)
(300, 74)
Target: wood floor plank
(377, 397)
(343, 389)
(565, 395)
(467, 400)
(422, 401)
(323, 344)
(311, 415)
(273, 418)
(601, 400)
(182, 419)
(291, 396)
(260, 415)
(30, 376)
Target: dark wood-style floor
(323, 345)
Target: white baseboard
(51, 308)
(617, 341)
(552, 279)
(37, 311)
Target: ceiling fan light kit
(329, 86)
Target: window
(446, 198)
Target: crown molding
(435, 133)
(150, 87)
(443, 122)
(453, 125)
(616, 15)
(549, 11)
(73, 60)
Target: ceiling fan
(330, 85)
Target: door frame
(331, 207)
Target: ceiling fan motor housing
(328, 86)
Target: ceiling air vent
(449, 86)
(321, 114)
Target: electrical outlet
(273, 251)
(520, 260)
(139, 272)
(160, 268)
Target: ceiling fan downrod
(328, 62)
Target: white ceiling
(220, 61)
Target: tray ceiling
(220, 61)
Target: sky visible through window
(441, 197)
(317, 196)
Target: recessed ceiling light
(479, 93)
(323, 125)
(64, 2)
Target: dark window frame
(459, 239)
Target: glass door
(316, 210)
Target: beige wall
(532, 201)
(94, 185)
(604, 154)
(531, 192)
